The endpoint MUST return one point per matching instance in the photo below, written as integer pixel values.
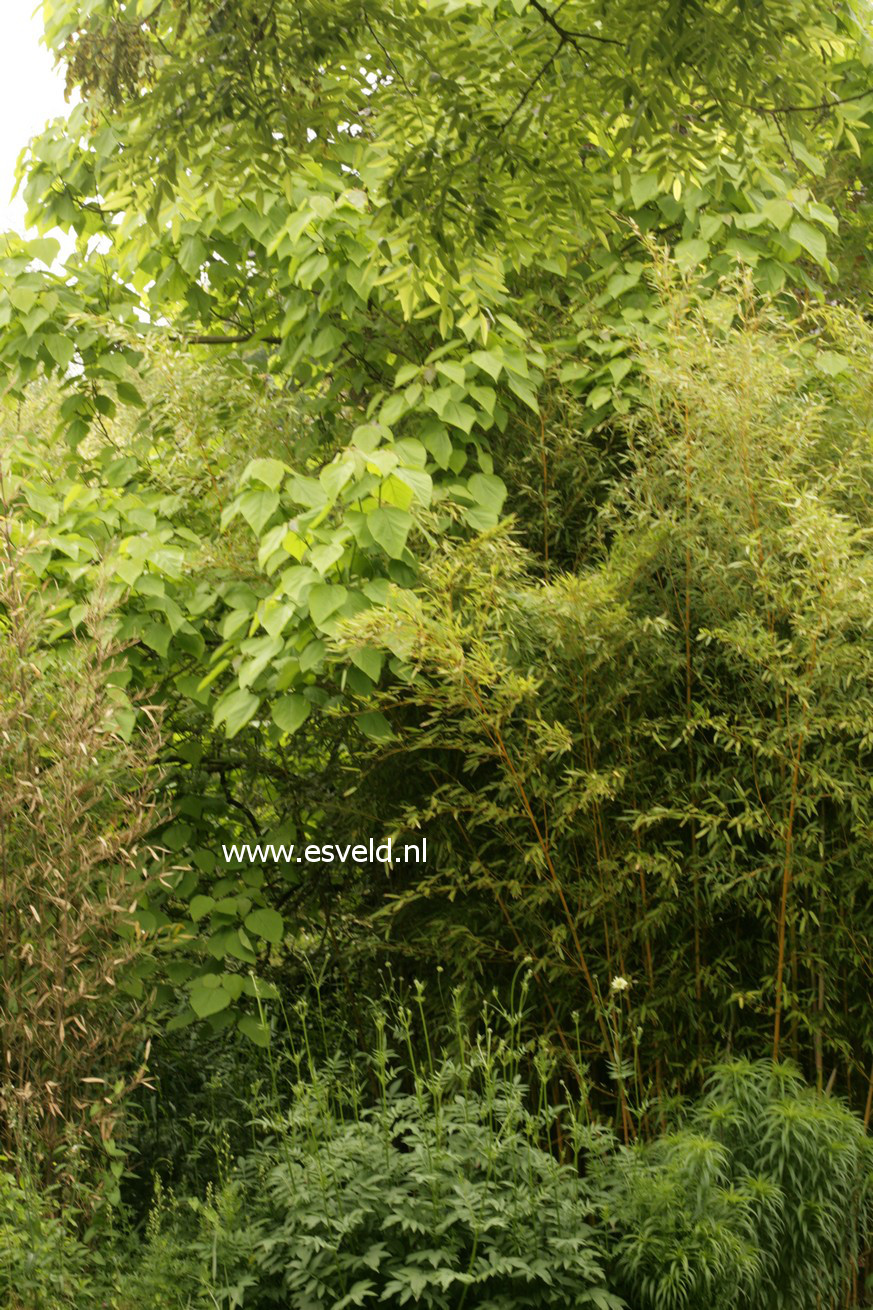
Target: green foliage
(435, 1179)
(138, 534)
(407, 1203)
(439, 427)
(415, 259)
(386, 1179)
(447, 1179)
(690, 1234)
(400, 1181)
(427, 293)
(761, 1201)
(643, 767)
(157, 1269)
(43, 1264)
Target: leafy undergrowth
(441, 1187)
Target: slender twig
(533, 82)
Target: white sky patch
(31, 92)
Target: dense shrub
(449, 1195)
(442, 1197)
(454, 1184)
(762, 1200)
(43, 1265)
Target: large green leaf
(208, 1000)
(289, 712)
(265, 923)
(235, 709)
(390, 527)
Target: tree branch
(217, 340)
(568, 36)
(809, 109)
